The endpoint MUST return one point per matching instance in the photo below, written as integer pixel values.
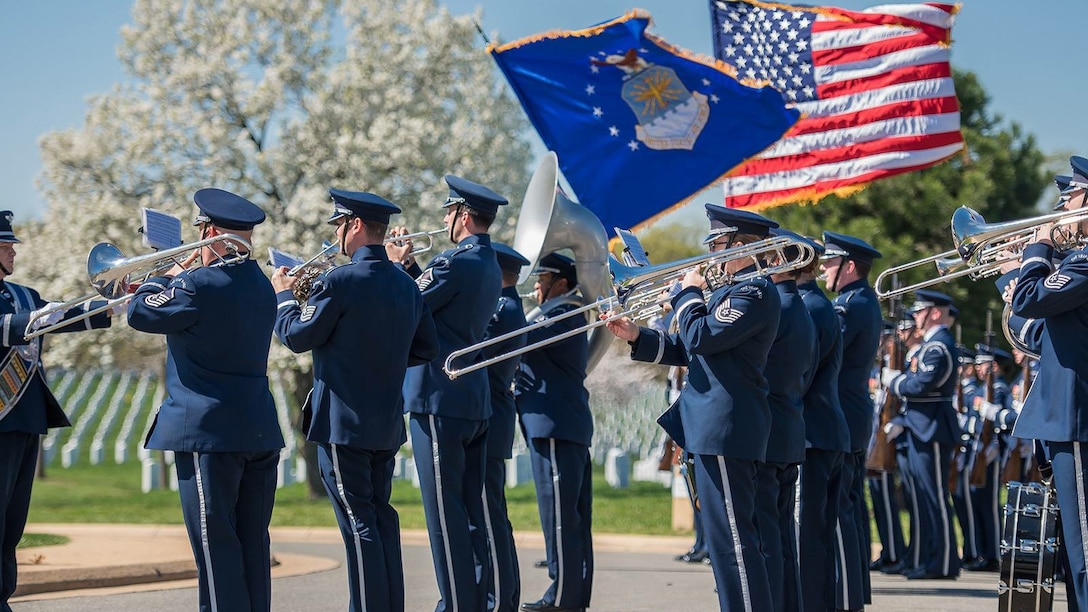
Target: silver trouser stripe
(942, 501)
(442, 512)
(893, 555)
(491, 542)
(558, 534)
(354, 524)
(996, 475)
(969, 541)
(205, 545)
(1078, 468)
(738, 550)
(916, 542)
(844, 575)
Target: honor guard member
(553, 405)
(219, 417)
(929, 422)
(505, 586)
(27, 406)
(882, 482)
(911, 336)
(788, 372)
(722, 416)
(990, 363)
(1056, 410)
(826, 441)
(357, 418)
(448, 418)
(847, 262)
(963, 502)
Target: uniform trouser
(359, 483)
(563, 473)
(1069, 460)
(451, 481)
(699, 546)
(963, 503)
(929, 464)
(776, 503)
(18, 459)
(727, 495)
(226, 501)
(821, 476)
(910, 498)
(987, 519)
(886, 517)
(505, 586)
(851, 547)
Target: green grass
(110, 493)
(30, 540)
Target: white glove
(887, 375)
(892, 430)
(39, 321)
(988, 410)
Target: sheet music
(161, 231)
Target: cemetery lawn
(110, 493)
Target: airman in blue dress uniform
(826, 441)
(847, 262)
(505, 588)
(219, 417)
(929, 421)
(963, 503)
(722, 416)
(788, 373)
(882, 483)
(27, 406)
(990, 362)
(448, 418)
(366, 323)
(553, 405)
(1056, 409)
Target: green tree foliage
(1001, 175)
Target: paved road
(625, 581)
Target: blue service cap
(729, 220)
(986, 354)
(365, 205)
(1061, 181)
(226, 210)
(509, 259)
(473, 195)
(559, 265)
(925, 298)
(6, 233)
(816, 246)
(966, 355)
(850, 247)
(1079, 179)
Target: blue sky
(56, 53)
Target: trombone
(428, 235)
(109, 272)
(637, 293)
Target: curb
(50, 581)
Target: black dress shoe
(922, 574)
(897, 568)
(879, 565)
(543, 606)
(698, 557)
(541, 563)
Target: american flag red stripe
(875, 87)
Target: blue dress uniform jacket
(461, 287)
(862, 322)
(1056, 408)
(507, 318)
(37, 408)
(929, 390)
(788, 364)
(218, 321)
(724, 343)
(825, 425)
(551, 396)
(365, 322)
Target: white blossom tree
(275, 101)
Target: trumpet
(638, 293)
(327, 253)
(110, 273)
(428, 235)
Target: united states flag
(875, 88)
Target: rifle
(881, 455)
(961, 448)
(986, 436)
